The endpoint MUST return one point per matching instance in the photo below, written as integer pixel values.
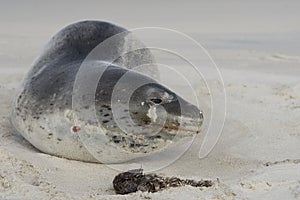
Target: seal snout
(183, 117)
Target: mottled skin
(43, 106)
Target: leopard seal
(43, 112)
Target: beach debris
(135, 180)
(295, 161)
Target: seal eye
(156, 101)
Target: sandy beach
(256, 47)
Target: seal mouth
(186, 127)
(187, 124)
(173, 127)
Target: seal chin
(183, 117)
(183, 126)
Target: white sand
(258, 55)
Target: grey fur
(42, 108)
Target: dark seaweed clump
(136, 180)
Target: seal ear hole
(156, 101)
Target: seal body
(43, 111)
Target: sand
(257, 155)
